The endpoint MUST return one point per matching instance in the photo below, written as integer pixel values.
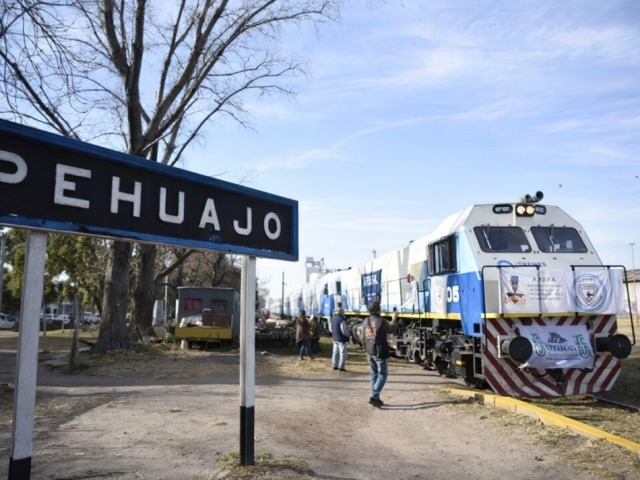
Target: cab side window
(442, 256)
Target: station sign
(54, 183)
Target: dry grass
(266, 467)
(595, 456)
(159, 361)
(53, 341)
(621, 422)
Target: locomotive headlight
(525, 210)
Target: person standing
(303, 335)
(375, 329)
(340, 334)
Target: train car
(207, 314)
(512, 296)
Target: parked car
(64, 319)
(55, 321)
(47, 318)
(6, 322)
(91, 318)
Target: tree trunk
(144, 293)
(114, 333)
(74, 356)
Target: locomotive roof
(485, 214)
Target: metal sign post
(27, 362)
(247, 359)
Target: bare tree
(146, 78)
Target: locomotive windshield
(502, 239)
(558, 239)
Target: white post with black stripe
(27, 361)
(247, 360)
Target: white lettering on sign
(18, 162)
(164, 216)
(267, 219)
(117, 195)
(209, 215)
(243, 230)
(63, 185)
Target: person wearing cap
(340, 334)
(374, 330)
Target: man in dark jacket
(340, 334)
(374, 330)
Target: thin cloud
(334, 151)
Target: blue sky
(414, 110)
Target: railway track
(606, 414)
(626, 406)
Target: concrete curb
(549, 418)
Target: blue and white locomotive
(509, 295)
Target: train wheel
(445, 368)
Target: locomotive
(510, 296)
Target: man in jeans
(375, 330)
(340, 334)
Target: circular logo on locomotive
(589, 293)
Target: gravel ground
(176, 416)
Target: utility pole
(282, 300)
(635, 277)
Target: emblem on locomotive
(589, 293)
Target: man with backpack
(374, 330)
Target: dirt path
(176, 420)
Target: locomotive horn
(532, 199)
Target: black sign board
(54, 183)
